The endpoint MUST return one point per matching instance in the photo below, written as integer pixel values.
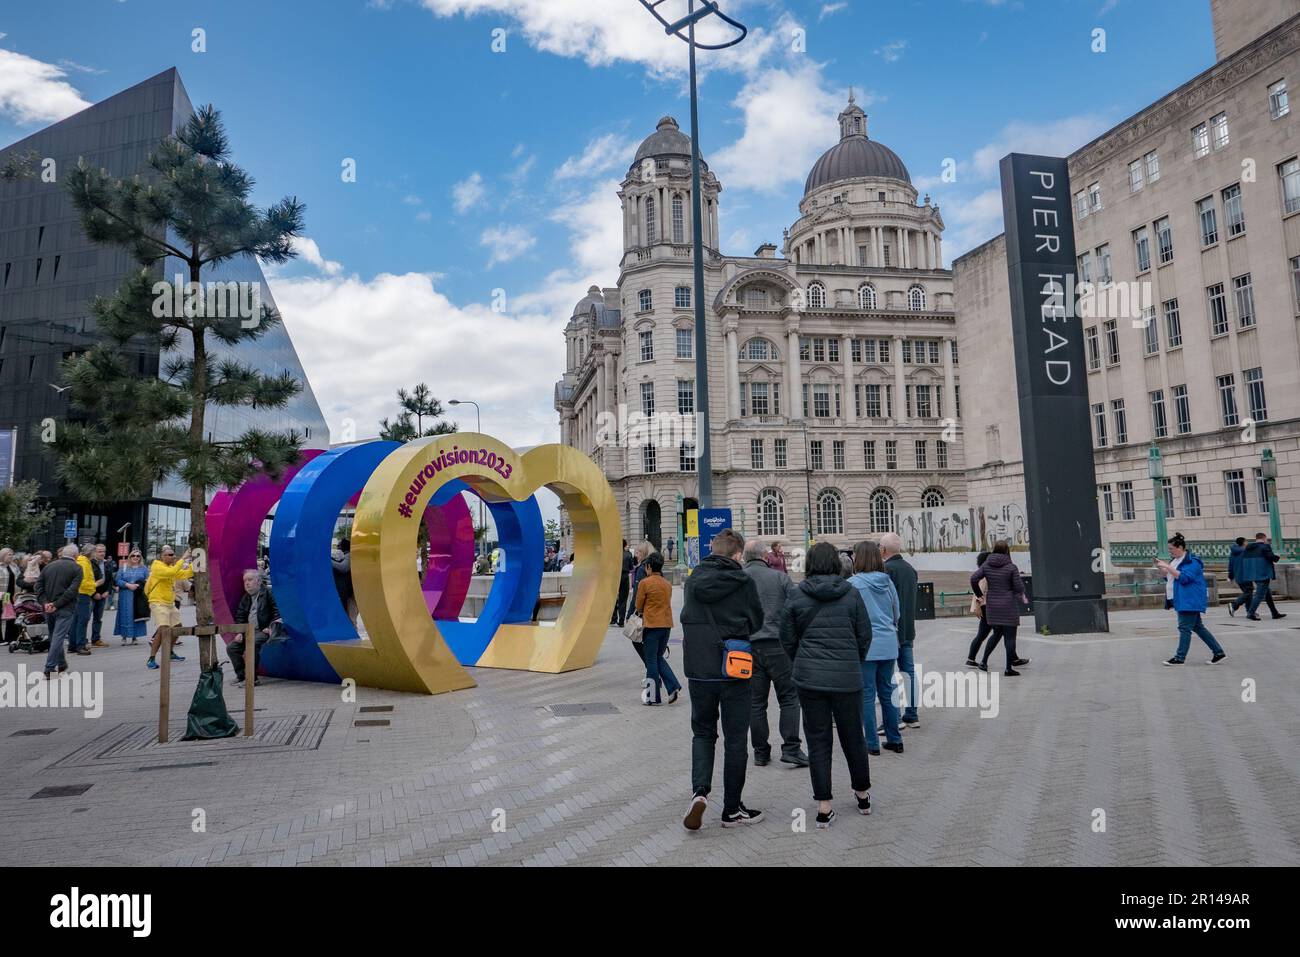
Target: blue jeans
(80, 623)
(878, 680)
(59, 625)
(907, 666)
(1263, 593)
(657, 669)
(1188, 622)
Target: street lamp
(704, 465)
(1268, 472)
(807, 489)
(478, 427)
(1156, 469)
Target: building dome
(592, 298)
(855, 156)
(666, 140)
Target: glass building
(49, 274)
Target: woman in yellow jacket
(77, 643)
(160, 589)
(654, 597)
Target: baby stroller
(32, 635)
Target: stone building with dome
(835, 399)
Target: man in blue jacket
(1236, 554)
(1258, 561)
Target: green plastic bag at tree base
(208, 717)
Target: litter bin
(924, 601)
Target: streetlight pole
(478, 427)
(807, 489)
(1156, 469)
(1268, 471)
(703, 450)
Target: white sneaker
(695, 813)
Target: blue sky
(480, 170)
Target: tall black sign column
(1052, 383)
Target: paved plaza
(571, 769)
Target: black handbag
(139, 604)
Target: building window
(771, 512)
(1159, 421)
(953, 344)
(882, 510)
(1218, 307)
(916, 299)
(1201, 140)
(932, 498)
(1191, 496)
(833, 350)
(924, 410)
(756, 297)
(1228, 399)
(1167, 493)
(819, 349)
(920, 454)
(1081, 204)
(1112, 342)
(869, 455)
(647, 459)
(830, 513)
(682, 297)
(1103, 263)
(647, 398)
(685, 396)
(1295, 280)
(1243, 292)
(647, 341)
(1135, 176)
(1152, 160)
(816, 460)
(644, 300)
(1127, 507)
(906, 349)
(1107, 502)
(686, 457)
(1261, 490)
(756, 453)
(1279, 105)
(1142, 249)
(679, 221)
(1290, 175)
(816, 295)
(884, 351)
(1094, 197)
(1235, 484)
(867, 297)
(805, 349)
(1219, 130)
(873, 402)
(821, 401)
(855, 349)
(1094, 347)
(757, 350)
(891, 454)
(1209, 221)
(1182, 409)
(1121, 421)
(780, 458)
(685, 343)
(932, 347)
(1232, 211)
(759, 403)
(1099, 424)
(1150, 331)
(837, 456)
(1255, 402)
(650, 219)
(1173, 323)
(1164, 240)
(1085, 267)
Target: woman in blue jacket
(1186, 593)
(881, 598)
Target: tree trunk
(198, 498)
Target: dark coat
(1006, 592)
(1257, 561)
(773, 586)
(903, 575)
(732, 599)
(60, 582)
(1235, 554)
(827, 651)
(266, 611)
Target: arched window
(679, 228)
(758, 350)
(830, 513)
(771, 512)
(882, 510)
(644, 300)
(816, 295)
(932, 498)
(649, 219)
(867, 297)
(916, 299)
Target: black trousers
(845, 707)
(619, 617)
(1007, 635)
(236, 652)
(981, 633)
(772, 667)
(730, 700)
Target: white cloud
(423, 216)
(789, 119)
(830, 9)
(506, 243)
(468, 193)
(595, 222)
(1059, 138)
(35, 92)
(412, 200)
(610, 151)
(308, 250)
(892, 51)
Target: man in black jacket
(1259, 560)
(57, 591)
(620, 607)
(255, 605)
(721, 603)
(903, 575)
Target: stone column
(846, 353)
(731, 328)
(934, 251)
(949, 381)
(794, 374)
(900, 383)
(611, 383)
(602, 396)
(938, 252)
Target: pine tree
(191, 207)
(22, 514)
(416, 406)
